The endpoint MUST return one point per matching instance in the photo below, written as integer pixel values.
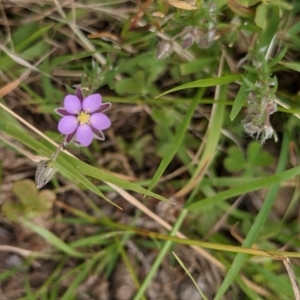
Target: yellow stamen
(83, 118)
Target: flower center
(83, 118)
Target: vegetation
(193, 193)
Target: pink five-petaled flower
(83, 118)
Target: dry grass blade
(258, 289)
(184, 5)
(120, 64)
(9, 87)
(292, 276)
(19, 60)
(200, 251)
(164, 224)
(34, 158)
(22, 252)
(13, 85)
(87, 45)
(210, 144)
(59, 8)
(33, 128)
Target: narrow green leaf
(36, 33)
(83, 273)
(285, 286)
(21, 136)
(277, 58)
(160, 256)
(10, 272)
(246, 188)
(249, 69)
(212, 137)
(294, 30)
(260, 219)
(204, 83)
(68, 168)
(95, 239)
(105, 176)
(292, 66)
(241, 96)
(28, 289)
(194, 66)
(190, 275)
(249, 84)
(261, 16)
(74, 166)
(282, 4)
(51, 238)
(63, 59)
(174, 146)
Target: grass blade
(241, 97)
(51, 238)
(189, 274)
(257, 225)
(176, 142)
(246, 188)
(74, 166)
(205, 83)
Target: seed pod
(164, 49)
(45, 172)
(207, 38)
(187, 40)
(189, 36)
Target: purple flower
(83, 119)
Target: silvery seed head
(164, 49)
(45, 172)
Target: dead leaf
(185, 5)
(105, 35)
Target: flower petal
(61, 111)
(72, 104)
(70, 137)
(100, 121)
(84, 135)
(104, 107)
(79, 93)
(98, 134)
(67, 124)
(91, 103)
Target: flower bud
(45, 172)
(187, 40)
(207, 38)
(164, 49)
(190, 35)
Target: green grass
(178, 196)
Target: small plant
(249, 164)
(83, 118)
(261, 100)
(31, 202)
(82, 121)
(199, 28)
